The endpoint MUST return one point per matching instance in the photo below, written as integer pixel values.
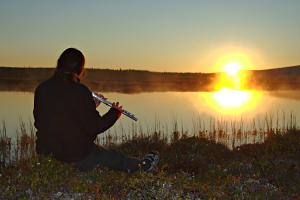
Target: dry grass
(191, 167)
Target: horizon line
(144, 70)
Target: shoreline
(136, 81)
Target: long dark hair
(71, 61)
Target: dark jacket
(66, 118)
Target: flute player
(68, 123)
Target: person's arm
(36, 108)
(92, 121)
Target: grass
(191, 167)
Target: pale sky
(157, 35)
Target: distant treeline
(107, 80)
(135, 81)
(285, 78)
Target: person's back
(58, 119)
(67, 121)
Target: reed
(22, 148)
(5, 146)
(231, 133)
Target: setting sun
(233, 76)
(232, 69)
(229, 87)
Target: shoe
(150, 161)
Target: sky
(156, 35)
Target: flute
(108, 103)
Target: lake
(187, 112)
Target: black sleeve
(92, 121)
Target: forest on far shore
(135, 81)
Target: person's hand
(118, 107)
(97, 102)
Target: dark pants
(108, 158)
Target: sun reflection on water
(229, 102)
(229, 98)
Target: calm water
(191, 110)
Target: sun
(233, 77)
(231, 86)
(232, 69)
(230, 93)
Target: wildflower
(29, 192)
(59, 194)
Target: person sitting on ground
(68, 123)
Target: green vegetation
(190, 168)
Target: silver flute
(108, 103)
